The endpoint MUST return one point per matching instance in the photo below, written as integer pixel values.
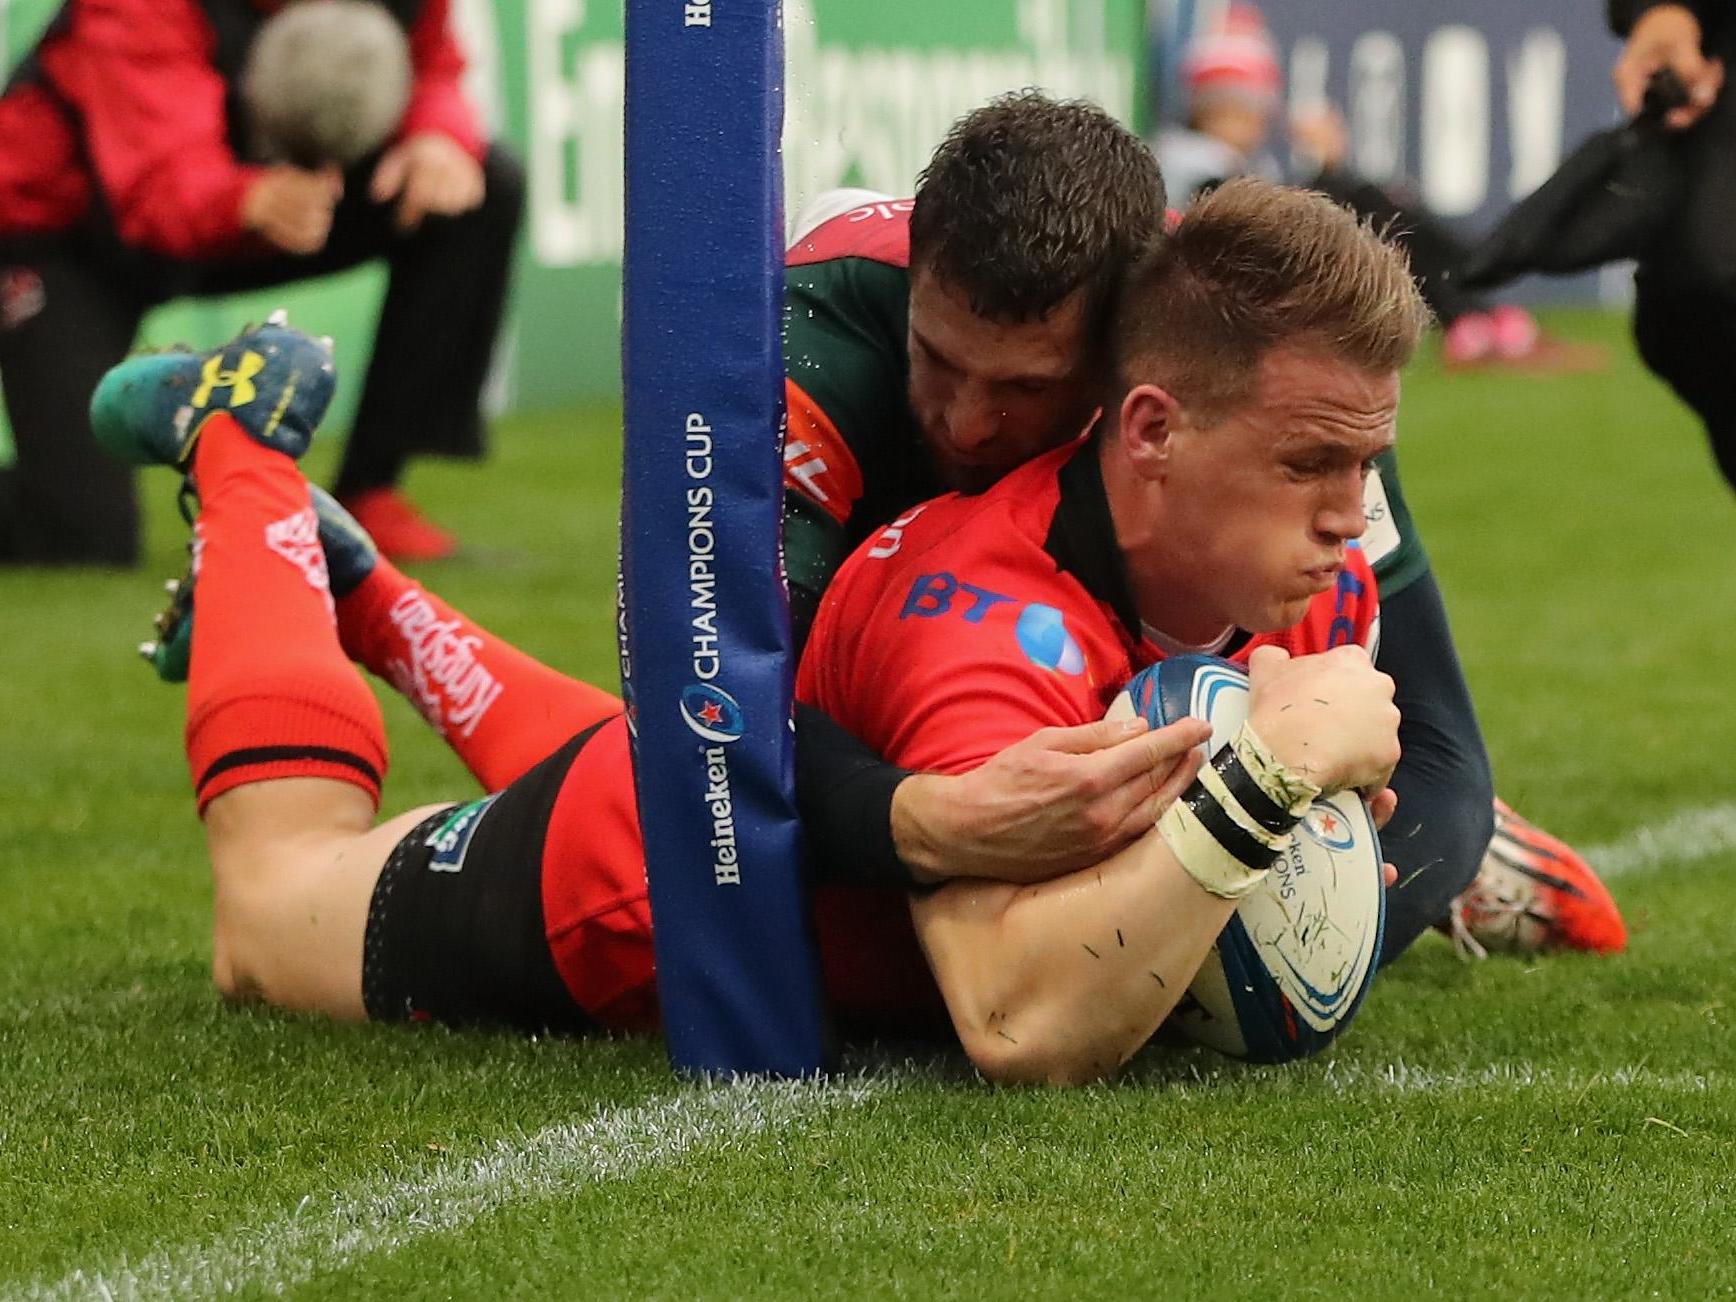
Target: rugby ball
(1290, 970)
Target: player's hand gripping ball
(1292, 966)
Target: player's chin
(1281, 613)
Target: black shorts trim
(456, 932)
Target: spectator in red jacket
(131, 173)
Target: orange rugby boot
(1534, 895)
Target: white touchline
(1347, 1075)
(1410, 1078)
(379, 1215)
(1681, 838)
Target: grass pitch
(1560, 1129)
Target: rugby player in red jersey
(1216, 503)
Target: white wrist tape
(1288, 789)
(1203, 857)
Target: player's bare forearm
(1063, 982)
(1060, 800)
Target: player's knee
(1477, 823)
(254, 955)
(237, 941)
(1457, 829)
(1436, 840)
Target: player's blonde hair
(1254, 266)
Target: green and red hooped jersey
(853, 454)
(853, 448)
(854, 458)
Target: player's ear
(1149, 417)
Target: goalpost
(705, 657)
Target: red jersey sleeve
(140, 75)
(940, 661)
(438, 103)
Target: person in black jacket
(1685, 305)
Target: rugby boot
(1534, 895)
(171, 650)
(275, 381)
(398, 527)
(350, 557)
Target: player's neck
(1174, 646)
(1165, 584)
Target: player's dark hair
(1254, 266)
(1029, 199)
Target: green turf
(1562, 1129)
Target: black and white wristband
(1233, 822)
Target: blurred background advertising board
(1470, 103)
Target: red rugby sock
(270, 693)
(498, 708)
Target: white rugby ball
(1292, 966)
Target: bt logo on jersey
(1343, 630)
(1041, 631)
(936, 594)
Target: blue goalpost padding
(706, 664)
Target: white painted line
(1407, 1078)
(329, 1231)
(1682, 838)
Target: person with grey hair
(156, 149)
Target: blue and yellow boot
(350, 557)
(275, 381)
